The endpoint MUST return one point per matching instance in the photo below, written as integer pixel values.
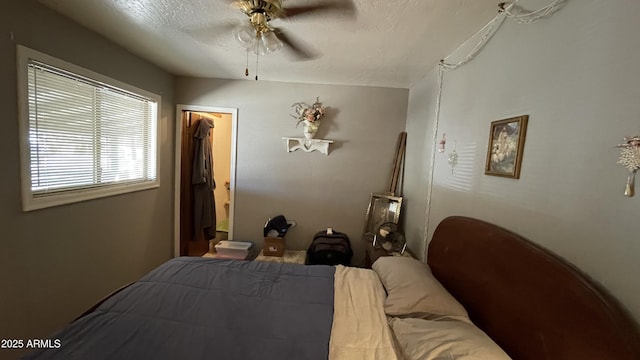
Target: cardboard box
(273, 246)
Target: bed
(503, 296)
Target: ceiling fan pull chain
(257, 57)
(246, 68)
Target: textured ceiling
(390, 43)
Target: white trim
(178, 161)
(29, 202)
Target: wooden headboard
(534, 304)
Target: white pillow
(421, 339)
(413, 290)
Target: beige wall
(56, 262)
(315, 190)
(576, 75)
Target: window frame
(31, 202)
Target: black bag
(329, 247)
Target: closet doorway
(188, 241)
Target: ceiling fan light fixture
(257, 47)
(245, 35)
(271, 42)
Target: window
(83, 135)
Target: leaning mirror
(382, 209)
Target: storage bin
(233, 249)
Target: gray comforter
(197, 308)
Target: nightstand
(289, 257)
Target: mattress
(200, 308)
(203, 308)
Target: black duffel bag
(329, 247)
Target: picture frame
(382, 208)
(506, 145)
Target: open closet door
(192, 242)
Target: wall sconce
(630, 158)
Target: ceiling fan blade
(345, 7)
(299, 51)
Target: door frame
(180, 108)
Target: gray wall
(315, 190)
(56, 262)
(576, 75)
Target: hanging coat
(204, 211)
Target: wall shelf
(308, 145)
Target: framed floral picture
(382, 208)
(506, 143)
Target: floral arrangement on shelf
(308, 114)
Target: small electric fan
(390, 238)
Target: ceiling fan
(260, 37)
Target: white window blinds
(87, 136)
